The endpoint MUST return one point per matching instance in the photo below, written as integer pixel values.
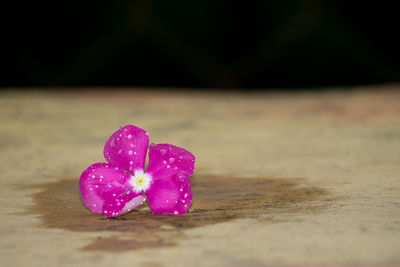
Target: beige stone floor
(343, 141)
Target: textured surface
(288, 179)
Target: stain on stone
(216, 199)
(116, 244)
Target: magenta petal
(167, 161)
(118, 206)
(170, 167)
(127, 148)
(100, 182)
(170, 196)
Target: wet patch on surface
(116, 244)
(216, 199)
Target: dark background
(201, 44)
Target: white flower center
(140, 182)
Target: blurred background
(200, 44)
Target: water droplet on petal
(112, 143)
(163, 151)
(171, 160)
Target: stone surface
(309, 178)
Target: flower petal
(166, 161)
(170, 196)
(100, 182)
(127, 148)
(118, 206)
(170, 167)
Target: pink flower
(119, 186)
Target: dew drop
(130, 152)
(112, 143)
(129, 136)
(171, 160)
(163, 151)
